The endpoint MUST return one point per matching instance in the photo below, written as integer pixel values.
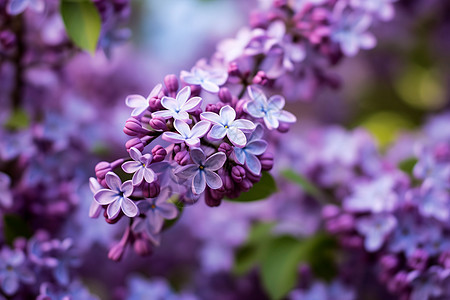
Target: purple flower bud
(111, 221)
(195, 90)
(155, 104)
(158, 123)
(215, 108)
(225, 95)
(7, 39)
(245, 185)
(227, 181)
(178, 147)
(159, 153)
(258, 19)
(136, 143)
(226, 148)
(104, 167)
(330, 211)
(240, 108)
(252, 177)
(171, 83)
(142, 245)
(211, 199)
(182, 157)
(133, 127)
(284, 127)
(266, 161)
(233, 70)
(116, 252)
(418, 259)
(399, 282)
(238, 173)
(262, 79)
(151, 190)
(442, 152)
(389, 262)
(280, 3)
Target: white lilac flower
(270, 110)
(140, 166)
(232, 49)
(202, 171)
(95, 208)
(349, 30)
(375, 229)
(187, 135)
(156, 211)
(16, 7)
(225, 124)
(209, 80)
(117, 197)
(254, 147)
(180, 107)
(139, 103)
(5, 192)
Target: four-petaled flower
(178, 108)
(190, 136)
(202, 170)
(117, 197)
(140, 166)
(225, 124)
(270, 110)
(139, 103)
(156, 210)
(13, 271)
(16, 7)
(254, 147)
(375, 228)
(209, 80)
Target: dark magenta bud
(158, 123)
(182, 157)
(133, 127)
(261, 79)
(159, 153)
(211, 198)
(233, 70)
(226, 148)
(195, 90)
(252, 177)
(418, 259)
(240, 108)
(238, 174)
(227, 181)
(284, 127)
(155, 104)
(245, 185)
(104, 167)
(266, 160)
(215, 108)
(7, 39)
(225, 95)
(389, 262)
(171, 83)
(151, 190)
(136, 143)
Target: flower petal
(169, 103)
(94, 185)
(94, 209)
(239, 153)
(211, 117)
(183, 96)
(149, 175)
(200, 129)
(271, 121)
(135, 101)
(182, 128)
(10, 283)
(257, 95)
(192, 104)
(215, 161)
(138, 177)
(199, 183)
(135, 154)
(16, 7)
(254, 109)
(193, 142)
(173, 137)
(166, 114)
(155, 221)
(168, 210)
(210, 86)
(131, 166)
(217, 132)
(113, 209)
(198, 156)
(127, 188)
(213, 180)
(244, 125)
(187, 171)
(227, 115)
(129, 208)
(105, 196)
(276, 103)
(113, 181)
(256, 147)
(156, 90)
(237, 137)
(191, 79)
(253, 164)
(286, 117)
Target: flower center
(201, 167)
(153, 206)
(226, 126)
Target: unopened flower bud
(226, 148)
(155, 104)
(195, 90)
(142, 245)
(159, 153)
(151, 190)
(233, 70)
(238, 173)
(283, 127)
(245, 185)
(158, 123)
(104, 167)
(133, 127)
(182, 157)
(225, 95)
(266, 160)
(211, 199)
(171, 83)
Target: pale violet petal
(113, 209)
(113, 181)
(256, 147)
(244, 125)
(94, 209)
(213, 180)
(227, 115)
(257, 95)
(169, 103)
(173, 137)
(210, 86)
(271, 121)
(182, 128)
(16, 7)
(94, 185)
(134, 101)
(215, 161)
(253, 164)
(286, 117)
(191, 79)
(135, 154)
(254, 109)
(182, 115)
(127, 188)
(276, 103)
(168, 210)
(199, 183)
(198, 156)
(193, 142)
(373, 242)
(131, 166)
(138, 177)
(217, 132)
(149, 175)
(240, 155)
(10, 283)
(166, 114)
(105, 196)
(187, 171)
(129, 208)
(236, 137)
(138, 111)
(192, 104)
(155, 221)
(37, 5)
(200, 129)
(211, 117)
(163, 196)
(183, 96)
(156, 90)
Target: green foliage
(306, 185)
(261, 190)
(83, 23)
(280, 256)
(14, 227)
(407, 165)
(19, 119)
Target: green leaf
(260, 190)
(19, 119)
(14, 227)
(306, 185)
(83, 23)
(407, 165)
(279, 268)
